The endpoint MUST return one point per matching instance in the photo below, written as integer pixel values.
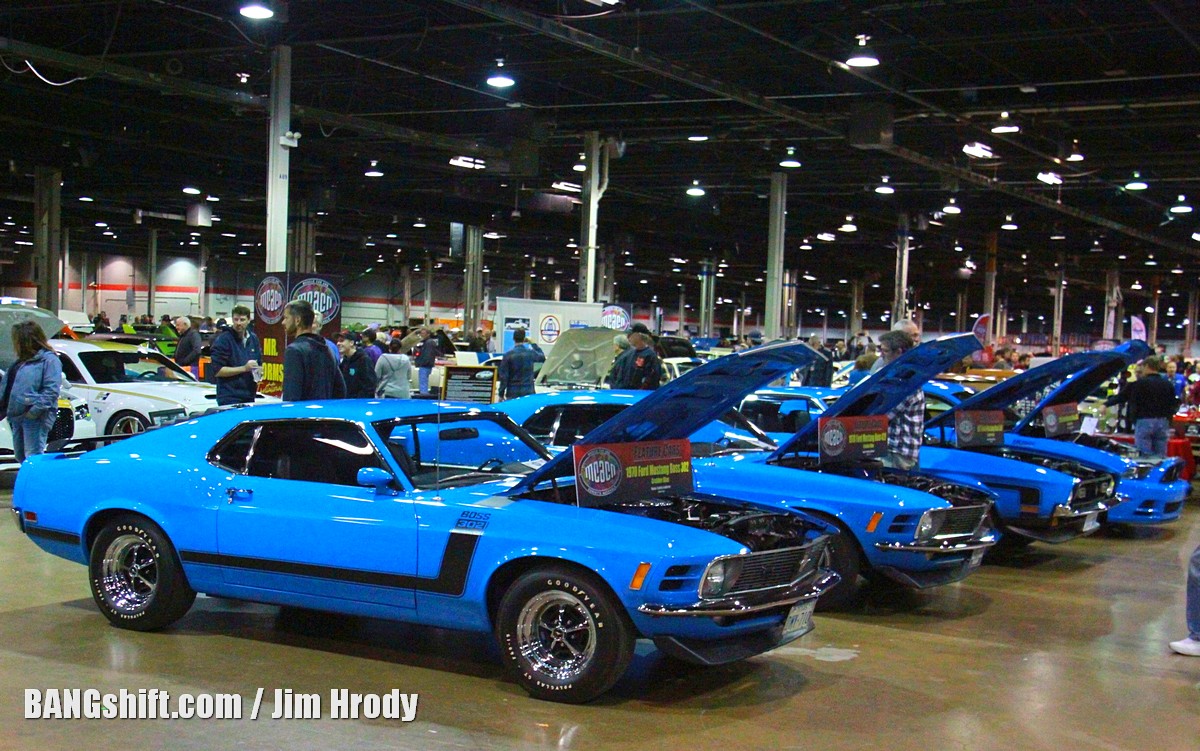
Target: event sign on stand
(273, 292)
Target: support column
(590, 217)
(742, 327)
(151, 271)
(557, 292)
(1152, 321)
(84, 260)
(989, 283)
(278, 161)
(428, 290)
(854, 322)
(1059, 293)
(1112, 303)
(900, 290)
(203, 307)
(776, 227)
(1189, 328)
(682, 311)
(47, 233)
(1001, 322)
(302, 240)
(790, 312)
(406, 290)
(707, 303)
(473, 279)
(960, 312)
(64, 274)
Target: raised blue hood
(884, 390)
(1084, 371)
(680, 407)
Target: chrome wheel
(556, 635)
(127, 425)
(129, 574)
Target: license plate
(976, 557)
(1091, 522)
(799, 620)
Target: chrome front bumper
(986, 541)
(748, 603)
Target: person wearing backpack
(29, 390)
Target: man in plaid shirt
(906, 423)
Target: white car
(74, 420)
(129, 389)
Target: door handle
(235, 493)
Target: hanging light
(581, 165)
(849, 226)
(790, 160)
(1136, 284)
(862, 56)
(1050, 178)
(1136, 183)
(883, 188)
(978, 150)
(373, 170)
(1057, 234)
(1005, 124)
(1096, 247)
(499, 78)
(951, 207)
(257, 10)
(1075, 154)
(1196, 235)
(697, 138)
(695, 189)
(191, 191)
(1181, 207)
(1009, 224)
(420, 223)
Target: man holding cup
(236, 355)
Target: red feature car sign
(614, 472)
(979, 428)
(843, 439)
(1061, 419)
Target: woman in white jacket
(394, 371)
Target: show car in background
(913, 531)
(1033, 502)
(432, 513)
(1152, 488)
(129, 389)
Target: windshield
(110, 366)
(440, 451)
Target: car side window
(326, 451)
(541, 424)
(580, 419)
(69, 370)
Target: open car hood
(1084, 371)
(682, 406)
(881, 392)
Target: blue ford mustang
(434, 513)
(1152, 489)
(912, 530)
(1033, 502)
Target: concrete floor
(1062, 649)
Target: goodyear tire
(137, 580)
(840, 554)
(563, 635)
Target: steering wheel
(147, 375)
(493, 462)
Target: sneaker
(1188, 646)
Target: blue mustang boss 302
(432, 513)
(1152, 489)
(909, 529)
(1033, 502)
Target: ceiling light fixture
(1057, 234)
(373, 170)
(849, 226)
(807, 245)
(862, 56)
(827, 237)
(1075, 154)
(1005, 124)
(1196, 235)
(1009, 224)
(1136, 284)
(951, 207)
(790, 160)
(1137, 183)
(499, 78)
(1181, 207)
(86, 199)
(581, 165)
(978, 150)
(420, 223)
(1096, 247)
(191, 191)
(695, 189)
(1050, 178)
(257, 10)
(697, 138)
(566, 186)
(883, 188)
(468, 162)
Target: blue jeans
(29, 433)
(1193, 595)
(423, 379)
(1150, 435)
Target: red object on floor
(1180, 447)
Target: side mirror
(374, 477)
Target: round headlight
(720, 577)
(931, 522)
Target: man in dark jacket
(357, 369)
(645, 366)
(516, 367)
(1152, 403)
(308, 370)
(187, 350)
(236, 355)
(428, 352)
(820, 372)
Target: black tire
(842, 555)
(137, 580)
(563, 635)
(126, 422)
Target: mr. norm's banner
(274, 291)
(616, 472)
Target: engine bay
(952, 492)
(757, 529)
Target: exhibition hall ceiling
(135, 100)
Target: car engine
(755, 528)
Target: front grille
(961, 521)
(1090, 491)
(64, 425)
(777, 568)
(1172, 472)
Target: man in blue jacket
(236, 355)
(516, 368)
(308, 370)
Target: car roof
(359, 410)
